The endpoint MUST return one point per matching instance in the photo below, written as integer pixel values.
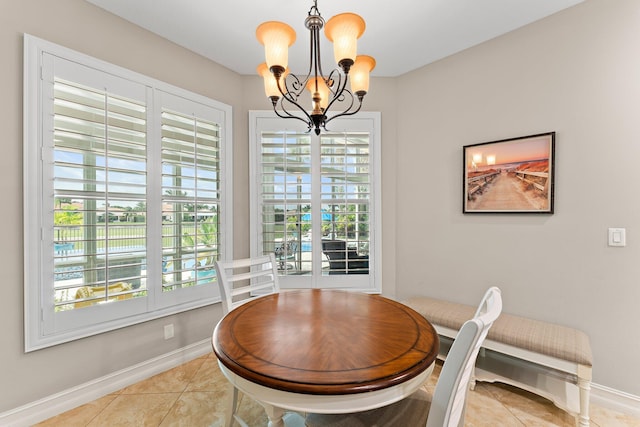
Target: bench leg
(585, 387)
(472, 382)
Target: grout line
(515, 417)
(102, 410)
(491, 394)
(170, 408)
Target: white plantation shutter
(310, 193)
(346, 194)
(99, 161)
(191, 199)
(127, 196)
(286, 198)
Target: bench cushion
(541, 337)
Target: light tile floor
(194, 394)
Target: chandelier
(286, 90)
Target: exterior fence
(70, 239)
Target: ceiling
(401, 35)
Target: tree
(204, 241)
(64, 218)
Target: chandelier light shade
(286, 90)
(344, 30)
(276, 38)
(270, 84)
(360, 74)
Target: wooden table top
(325, 342)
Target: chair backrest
(242, 280)
(344, 260)
(335, 250)
(447, 406)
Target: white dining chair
(446, 407)
(240, 281)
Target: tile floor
(194, 394)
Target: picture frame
(514, 175)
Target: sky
(498, 153)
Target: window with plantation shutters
(315, 202)
(127, 199)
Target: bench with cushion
(550, 360)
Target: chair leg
(232, 405)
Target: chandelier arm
(292, 99)
(292, 116)
(347, 112)
(343, 114)
(338, 94)
(283, 107)
(292, 91)
(335, 76)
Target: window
(315, 201)
(126, 196)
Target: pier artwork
(521, 182)
(509, 190)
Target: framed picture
(510, 176)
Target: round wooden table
(325, 351)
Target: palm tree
(204, 242)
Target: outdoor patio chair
(286, 254)
(343, 260)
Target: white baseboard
(615, 399)
(58, 403)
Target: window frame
(44, 327)
(364, 121)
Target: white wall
(576, 73)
